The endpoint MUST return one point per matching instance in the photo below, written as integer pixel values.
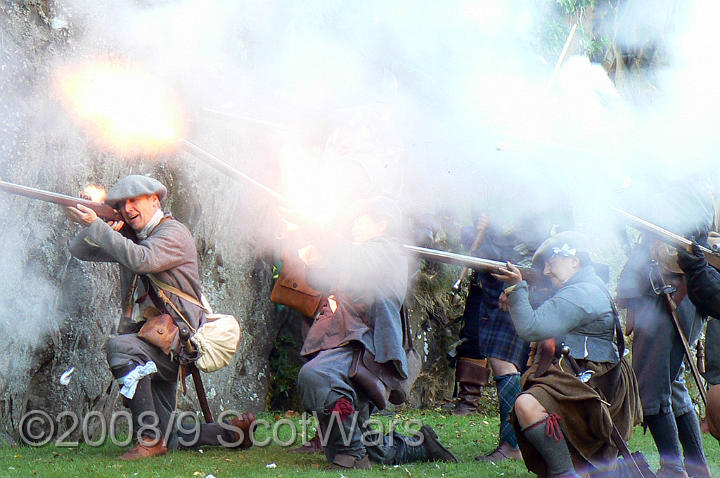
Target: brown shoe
(434, 450)
(348, 462)
(146, 447)
(503, 452)
(465, 407)
(312, 446)
(246, 423)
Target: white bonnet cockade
(564, 244)
(565, 251)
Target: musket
(670, 237)
(103, 211)
(195, 373)
(666, 290)
(228, 170)
(529, 274)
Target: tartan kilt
(586, 420)
(490, 331)
(497, 338)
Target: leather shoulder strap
(175, 291)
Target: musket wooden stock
(478, 263)
(669, 237)
(195, 373)
(102, 210)
(666, 292)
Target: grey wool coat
(169, 253)
(579, 314)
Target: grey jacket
(579, 314)
(169, 253)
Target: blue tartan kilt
(490, 332)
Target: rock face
(55, 311)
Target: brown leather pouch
(381, 382)
(292, 290)
(160, 331)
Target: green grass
(465, 436)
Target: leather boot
(146, 447)
(434, 450)
(664, 430)
(472, 374)
(691, 440)
(246, 423)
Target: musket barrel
(467, 261)
(654, 228)
(35, 193)
(453, 258)
(670, 237)
(102, 210)
(225, 168)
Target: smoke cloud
(447, 106)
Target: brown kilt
(586, 420)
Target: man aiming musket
(144, 358)
(660, 314)
(488, 336)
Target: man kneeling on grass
(365, 275)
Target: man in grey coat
(156, 245)
(564, 417)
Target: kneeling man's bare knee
(528, 409)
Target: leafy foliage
(284, 364)
(575, 6)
